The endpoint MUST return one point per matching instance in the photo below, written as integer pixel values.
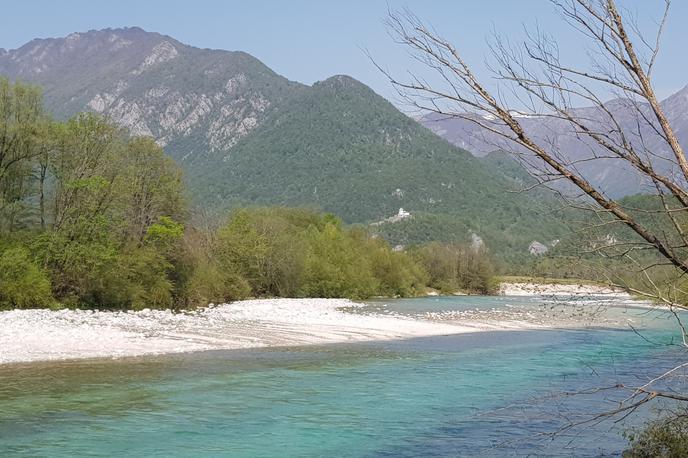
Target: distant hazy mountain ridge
(614, 176)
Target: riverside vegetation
(245, 135)
(92, 217)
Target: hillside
(615, 177)
(342, 148)
(193, 101)
(248, 136)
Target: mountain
(196, 100)
(248, 136)
(613, 176)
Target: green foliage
(165, 233)
(453, 268)
(22, 283)
(398, 273)
(337, 265)
(211, 283)
(240, 245)
(104, 218)
(101, 211)
(341, 148)
(21, 123)
(154, 191)
(140, 280)
(296, 252)
(667, 438)
(78, 264)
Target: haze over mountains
(614, 176)
(246, 135)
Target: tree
(22, 283)
(291, 252)
(541, 82)
(21, 118)
(453, 267)
(153, 188)
(337, 264)
(86, 169)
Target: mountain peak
(345, 84)
(130, 29)
(683, 93)
(676, 105)
(341, 81)
(99, 35)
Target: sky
(309, 41)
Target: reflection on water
(486, 394)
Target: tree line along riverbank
(91, 217)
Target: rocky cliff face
(153, 85)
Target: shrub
(666, 438)
(22, 283)
(452, 267)
(212, 284)
(338, 265)
(397, 273)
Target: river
(476, 394)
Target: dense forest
(342, 148)
(92, 217)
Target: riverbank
(529, 287)
(42, 335)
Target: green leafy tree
(453, 268)
(337, 265)
(398, 274)
(153, 188)
(22, 283)
(21, 120)
(211, 283)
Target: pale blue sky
(309, 41)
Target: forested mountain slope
(248, 136)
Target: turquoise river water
(482, 394)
